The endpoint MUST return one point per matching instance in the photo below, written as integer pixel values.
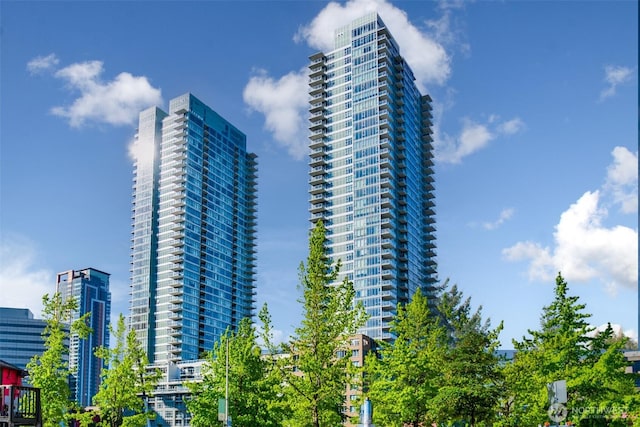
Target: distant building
(193, 245)
(90, 288)
(633, 357)
(20, 336)
(169, 397)
(359, 346)
(371, 169)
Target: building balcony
(317, 198)
(316, 107)
(177, 266)
(317, 143)
(176, 292)
(387, 213)
(388, 234)
(386, 183)
(317, 189)
(388, 254)
(388, 275)
(388, 315)
(316, 71)
(388, 286)
(24, 409)
(317, 216)
(179, 202)
(318, 161)
(317, 180)
(175, 325)
(319, 151)
(317, 135)
(389, 295)
(318, 208)
(318, 170)
(388, 204)
(317, 89)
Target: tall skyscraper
(90, 288)
(371, 169)
(193, 243)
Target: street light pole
(226, 388)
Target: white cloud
(284, 103)
(473, 137)
(427, 57)
(42, 63)
(614, 76)
(511, 127)
(618, 331)
(622, 179)
(584, 249)
(505, 215)
(115, 102)
(22, 281)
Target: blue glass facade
(193, 247)
(90, 288)
(371, 169)
(20, 336)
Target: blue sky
(536, 129)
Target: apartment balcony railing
(20, 406)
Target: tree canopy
(50, 370)
(317, 379)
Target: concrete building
(371, 169)
(168, 400)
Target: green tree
(127, 382)
(255, 394)
(470, 380)
(317, 382)
(565, 348)
(49, 371)
(403, 377)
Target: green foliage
(316, 386)
(255, 395)
(469, 387)
(403, 378)
(565, 348)
(126, 382)
(441, 367)
(49, 371)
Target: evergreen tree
(403, 377)
(469, 387)
(565, 348)
(317, 381)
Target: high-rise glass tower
(90, 288)
(193, 244)
(371, 169)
